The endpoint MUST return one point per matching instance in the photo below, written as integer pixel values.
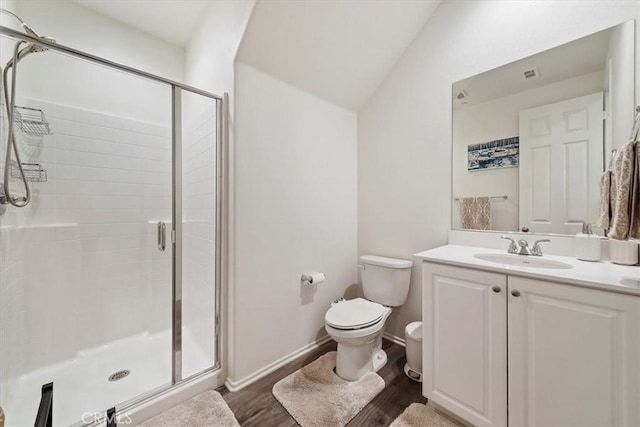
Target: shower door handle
(162, 236)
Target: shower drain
(119, 375)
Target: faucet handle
(536, 249)
(513, 249)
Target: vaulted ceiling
(338, 50)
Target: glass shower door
(200, 216)
(86, 277)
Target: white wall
(497, 119)
(92, 87)
(296, 209)
(212, 50)
(620, 85)
(7, 20)
(404, 144)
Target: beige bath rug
(316, 396)
(207, 409)
(419, 415)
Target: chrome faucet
(536, 250)
(524, 247)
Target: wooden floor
(254, 405)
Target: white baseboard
(394, 339)
(234, 386)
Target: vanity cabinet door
(464, 343)
(574, 356)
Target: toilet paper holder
(312, 278)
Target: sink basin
(523, 261)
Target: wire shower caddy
(33, 172)
(31, 121)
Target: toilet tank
(385, 280)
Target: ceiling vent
(531, 73)
(462, 97)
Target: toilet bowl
(357, 324)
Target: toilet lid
(354, 314)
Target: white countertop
(601, 275)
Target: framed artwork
(500, 153)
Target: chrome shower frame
(222, 134)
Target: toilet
(357, 324)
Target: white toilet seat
(355, 314)
(360, 335)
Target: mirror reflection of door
(561, 188)
(561, 161)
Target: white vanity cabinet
(573, 353)
(465, 342)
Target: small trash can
(413, 339)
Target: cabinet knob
(515, 293)
(496, 289)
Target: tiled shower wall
(79, 267)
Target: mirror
(531, 139)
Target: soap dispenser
(587, 244)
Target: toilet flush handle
(361, 266)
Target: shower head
(34, 47)
(31, 32)
(19, 52)
(38, 48)
(31, 47)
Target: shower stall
(110, 234)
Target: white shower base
(81, 386)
